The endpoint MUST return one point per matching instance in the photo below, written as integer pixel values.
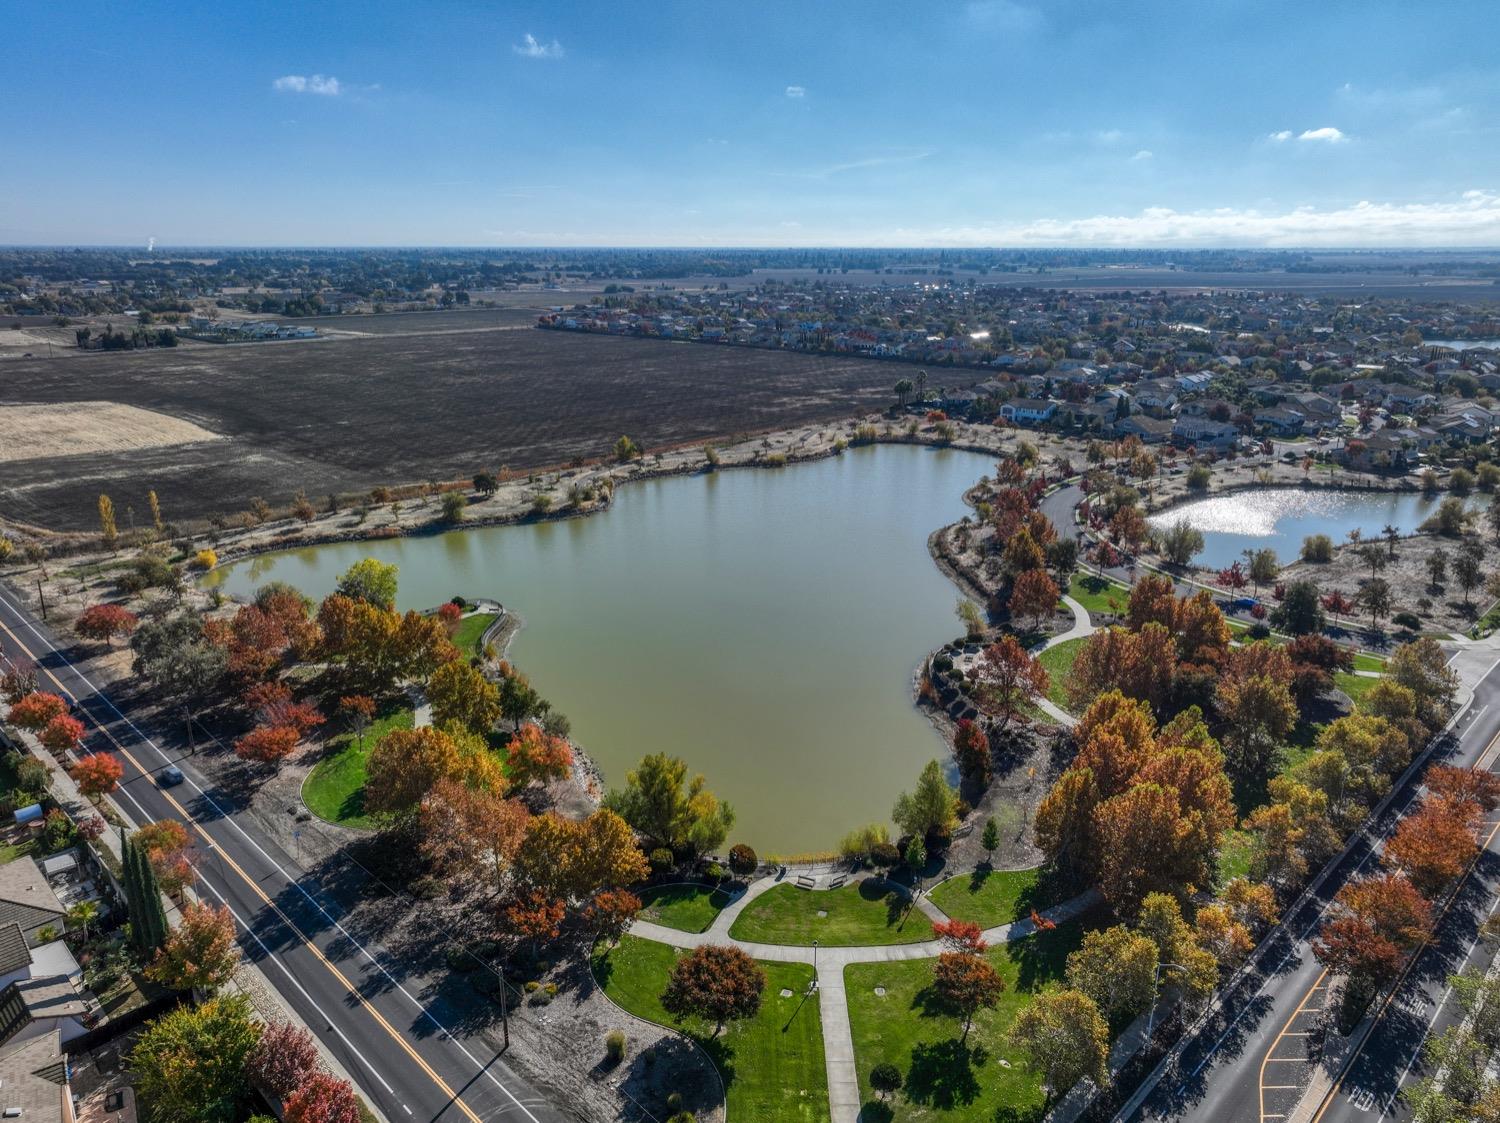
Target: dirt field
(28, 432)
(348, 413)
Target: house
(1407, 399)
(1382, 449)
(1280, 420)
(1029, 411)
(1151, 430)
(34, 1081)
(27, 901)
(1204, 433)
(1157, 396)
(1093, 416)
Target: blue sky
(997, 122)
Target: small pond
(764, 625)
(1281, 517)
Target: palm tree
(82, 915)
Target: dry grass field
(30, 432)
(426, 398)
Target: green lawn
(689, 908)
(994, 897)
(1363, 662)
(335, 789)
(470, 628)
(867, 913)
(1234, 856)
(947, 1078)
(1059, 661)
(1356, 686)
(772, 1064)
(1096, 595)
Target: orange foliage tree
(62, 733)
(716, 983)
(199, 953)
(1434, 844)
(167, 849)
(1033, 596)
(1007, 678)
(103, 622)
(1376, 922)
(36, 710)
(98, 774)
(323, 1099)
(536, 756)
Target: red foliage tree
(168, 850)
(1475, 787)
(535, 916)
(267, 744)
(1033, 596)
(98, 774)
(62, 733)
(200, 953)
(1007, 677)
(103, 622)
(283, 1059)
(535, 755)
(35, 710)
(960, 935)
(610, 912)
(1233, 578)
(451, 616)
(322, 1099)
(1377, 921)
(966, 983)
(716, 983)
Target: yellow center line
(256, 889)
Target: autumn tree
(1117, 969)
(1007, 679)
(659, 801)
(609, 913)
(1475, 788)
(461, 695)
(18, 678)
(98, 774)
(716, 983)
(323, 1099)
(1138, 664)
(1033, 596)
(167, 847)
(103, 622)
(1315, 659)
(1434, 844)
(1192, 967)
(61, 735)
(534, 756)
(1258, 712)
(965, 982)
(467, 832)
(570, 858)
(200, 953)
(404, 765)
(107, 529)
(1375, 923)
(1422, 667)
(359, 712)
(35, 711)
(267, 744)
(1022, 555)
(1063, 1037)
(283, 1058)
(534, 916)
(971, 751)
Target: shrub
(886, 1078)
(532, 986)
(1198, 477)
(714, 872)
(962, 809)
(742, 859)
(674, 1102)
(661, 859)
(1259, 631)
(614, 1046)
(885, 855)
(1317, 548)
(454, 507)
(1406, 620)
(205, 560)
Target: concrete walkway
(1082, 627)
(833, 1008)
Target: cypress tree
(148, 920)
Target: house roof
(14, 954)
(25, 897)
(33, 1078)
(54, 997)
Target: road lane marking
(224, 816)
(255, 888)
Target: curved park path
(833, 1007)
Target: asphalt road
(1252, 1061)
(352, 994)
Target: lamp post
(815, 967)
(1156, 979)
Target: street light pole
(815, 966)
(1156, 980)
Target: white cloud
(308, 84)
(1109, 136)
(1328, 134)
(529, 47)
(1281, 137)
(796, 91)
(1471, 220)
(1143, 155)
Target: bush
(532, 986)
(1198, 477)
(714, 872)
(886, 1078)
(454, 507)
(962, 808)
(205, 560)
(1407, 620)
(742, 859)
(614, 1046)
(1317, 548)
(1259, 631)
(674, 1102)
(885, 855)
(938, 840)
(661, 859)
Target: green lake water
(764, 625)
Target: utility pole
(41, 596)
(504, 1014)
